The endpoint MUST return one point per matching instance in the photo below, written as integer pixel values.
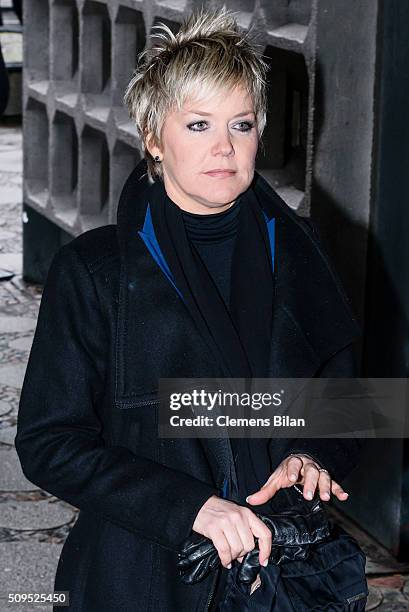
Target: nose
(223, 145)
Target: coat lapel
(149, 237)
(312, 319)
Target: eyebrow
(247, 112)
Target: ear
(151, 146)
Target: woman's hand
(232, 529)
(303, 470)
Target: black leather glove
(293, 530)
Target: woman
(184, 286)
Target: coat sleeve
(59, 432)
(338, 455)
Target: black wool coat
(110, 325)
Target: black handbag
(314, 565)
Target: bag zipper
(124, 405)
(212, 591)
(356, 597)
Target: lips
(221, 173)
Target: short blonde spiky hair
(207, 54)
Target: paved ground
(34, 524)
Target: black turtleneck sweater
(213, 236)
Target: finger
(245, 533)
(278, 479)
(324, 486)
(223, 548)
(265, 537)
(234, 540)
(339, 491)
(311, 475)
(294, 466)
(261, 496)
(266, 492)
(255, 584)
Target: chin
(219, 200)
(221, 195)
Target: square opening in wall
(299, 11)
(64, 40)
(36, 155)
(287, 20)
(94, 178)
(95, 49)
(129, 39)
(283, 157)
(64, 167)
(36, 44)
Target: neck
(192, 206)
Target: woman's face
(217, 133)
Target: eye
(191, 126)
(247, 126)
(200, 126)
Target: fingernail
(293, 477)
(229, 566)
(325, 495)
(309, 494)
(265, 563)
(247, 499)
